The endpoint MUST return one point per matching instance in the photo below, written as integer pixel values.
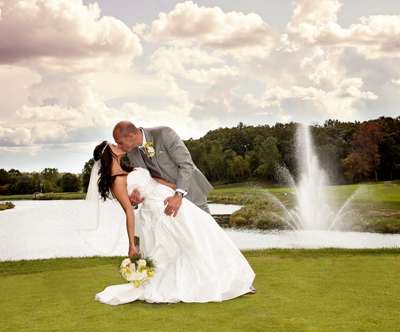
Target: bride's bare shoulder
(119, 182)
(120, 192)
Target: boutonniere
(149, 148)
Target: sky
(71, 69)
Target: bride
(195, 259)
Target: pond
(35, 234)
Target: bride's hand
(135, 197)
(132, 251)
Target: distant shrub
(6, 206)
(257, 214)
(70, 182)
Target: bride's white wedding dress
(195, 259)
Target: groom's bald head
(127, 135)
(123, 128)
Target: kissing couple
(150, 172)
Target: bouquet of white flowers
(137, 269)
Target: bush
(49, 186)
(6, 205)
(257, 214)
(238, 220)
(23, 185)
(269, 220)
(387, 225)
(70, 183)
(5, 189)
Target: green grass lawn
(297, 290)
(379, 192)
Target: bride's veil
(105, 219)
(93, 193)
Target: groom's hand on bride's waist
(172, 204)
(135, 197)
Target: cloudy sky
(70, 69)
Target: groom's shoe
(252, 290)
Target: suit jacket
(172, 160)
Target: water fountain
(314, 209)
(314, 221)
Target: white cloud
(339, 102)
(311, 17)
(315, 80)
(192, 64)
(14, 136)
(314, 22)
(374, 36)
(61, 45)
(233, 32)
(211, 26)
(14, 92)
(63, 32)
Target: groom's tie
(154, 171)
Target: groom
(163, 153)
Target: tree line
(349, 152)
(14, 182)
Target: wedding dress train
(195, 259)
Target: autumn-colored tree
(355, 167)
(364, 158)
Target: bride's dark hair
(106, 158)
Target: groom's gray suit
(172, 161)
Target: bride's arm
(120, 191)
(165, 182)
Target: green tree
(238, 168)
(85, 175)
(50, 174)
(23, 185)
(14, 172)
(4, 177)
(50, 178)
(389, 149)
(269, 157)
(70, 183)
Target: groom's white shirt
(142, 147)
(144, 139)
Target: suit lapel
(147, 134)
(151, 160)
